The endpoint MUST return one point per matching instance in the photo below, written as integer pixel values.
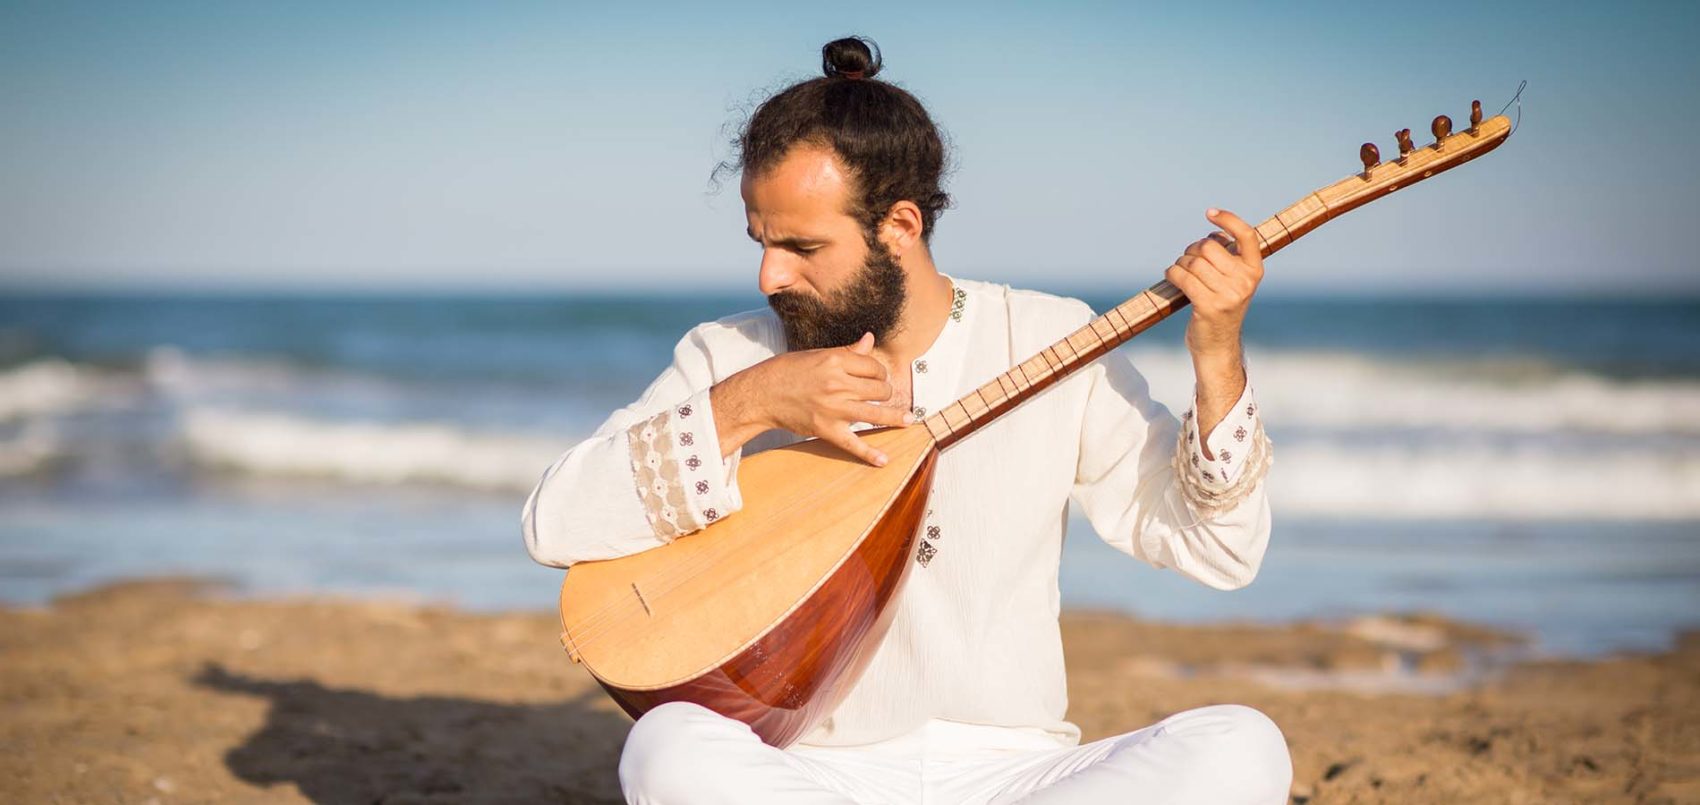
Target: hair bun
(850, 57)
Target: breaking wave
(285, 445)
(1355, 435)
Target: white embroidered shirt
(975, 636)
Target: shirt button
(919, 411)
(921, 366)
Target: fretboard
(1054, 363)
(1099, 336)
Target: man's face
(818, 271)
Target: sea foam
(285, 445)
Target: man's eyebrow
(790, 242)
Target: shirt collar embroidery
(952, 340)
(946, 357)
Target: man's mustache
(794, 302)
(793, 299)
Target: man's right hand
(814, 392)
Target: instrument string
(1515, 98)
(591, 627)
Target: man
(964, 700)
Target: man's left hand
(1219, 282)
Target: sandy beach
(171, 690)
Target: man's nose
(777, 272)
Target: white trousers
(685, 753)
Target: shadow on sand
(353, 746)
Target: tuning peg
(1475, 114)
(1370, 155)
(1442, 127)
(1405, 146)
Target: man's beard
(870, 303)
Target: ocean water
(1528, 463)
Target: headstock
(1443, 142)
(1378, 178)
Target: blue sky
(521, 146)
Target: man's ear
(902, 226)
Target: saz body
(770, 615)
(767, 620)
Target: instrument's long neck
(1097, 338)
(1054, 363)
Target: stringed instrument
(770, 615)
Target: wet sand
(170, 691)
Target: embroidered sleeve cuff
(679, 479)
(1240, 456)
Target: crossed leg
(1224, 753)
(681, 752)
(685, 753)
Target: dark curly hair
(881, 133)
